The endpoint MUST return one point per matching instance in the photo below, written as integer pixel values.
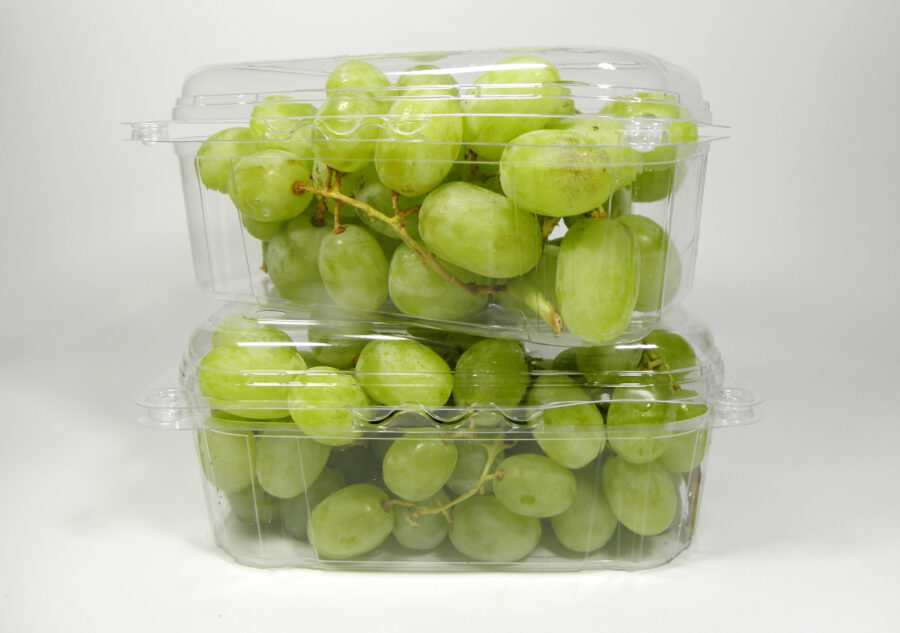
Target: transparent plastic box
(417, 449)
(444, 188)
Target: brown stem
(599, 212)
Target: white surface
(103, 522)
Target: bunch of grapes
(438, 200)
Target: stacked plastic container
(458, 341)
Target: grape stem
(547, 227)
(532, 297)
(599, 212)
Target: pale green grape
(376, 195)
(428, 531)
(239, 330)
(227, 455)
(669, 352)
(263, 186)
(425, 75)
(416, 467)
(541, 279)
(395, 372)
(357, 77)
(534, 485)
(322, 401)
(605, 365)
(642, 496)
(479, 230)
(337, 339)
(255, 506)
(580, 438)
(419, 291)
(292, 257)
(486, 135)
(471, 458)
(280, 121)
(651, 406)
(492, 371)
(566, 360)
(354, 269)
(597, 279)
(246, 380)
(420, 144)
(685, 451)
(621, 204)
(295, 511)
(347, 127)
(589, 522)
(350, 522)
(287, 465)
(484, 530)
(660, 264)
(625, 162)
(555, 173)
(262, 231)
(220, 152)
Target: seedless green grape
(322, 401)
(479, 230)
(395, 372)
(417, 466)
(354, 269)
(424, 75)
(255, 506)
(685, 451)
(295, 511)
(645, 405)
(287, 465)
(220, 152)
(428, 531)
(484, 530)
(642, 496)
(534, 486)
(227, 455)
(240, 330)
(606, 365)
(540, 279)
(292, 259)
(597, 279)
(492, 371)
(280, 120)
(350, 522)
(589, 522)
(581, 437)
(263, 186)
(669, 352)
(471, 458)
(347, 127)
(357, 77)
(660, 264)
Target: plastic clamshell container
(556, 468)
(494, 155)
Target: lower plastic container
(517, 458)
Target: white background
(102, 522)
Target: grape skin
(491, 371)
(219, 153)
(322, 401)
(295, 511)
(572, 447)
(227, 455)
(660, 265)
(401, 372)
(484, 530)
(534, 485)
(350, 522)
(287, 465)
(416, 468)
(642, 496)
(354, 269)
(589, 522)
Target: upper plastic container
(524, 194)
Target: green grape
(487, 135)
(484, 530)
(227, 455)
(669, 352)
(566, 360)
(376, 195)
(642, 496)
(534, 485)
(322, 401)
(555, 173)
(357, 77)
(479, 230)
(580, 438)
(236, 329)
(541, 278)
(471, 458)
(354, 269)
(219, 153)
(657, 177)
(347, 127)
(685, 451)
(597, 279)
(255, 506)
(262, 231)
(419, 291)
(425, 75)
(417, 467)
(278, 120)
(286, 466)
(395, 372)
(263, 186)
(650, 405)
(485, 175)
(244, 379)
(589, 522)
(295, 511)
(660, 264)
(605, 365)
(428, 531)
(625, 162)
(350, 522)
(492, 371)
(292, 258)
(420, 144)
(620, 204)
(337, 339)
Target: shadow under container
(551, 467)
(492, 157)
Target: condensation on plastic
(229, 261)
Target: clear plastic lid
(254, 368)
